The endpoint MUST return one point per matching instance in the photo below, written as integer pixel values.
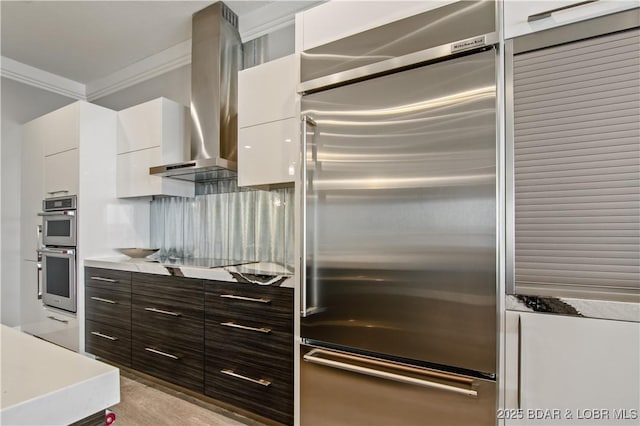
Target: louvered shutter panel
(577, 168)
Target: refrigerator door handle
(306, 121)
(314, 358)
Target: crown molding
(167, 60)
(272, 17)
(41, 79)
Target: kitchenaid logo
(467, 44)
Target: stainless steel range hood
(216, 53)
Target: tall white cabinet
(72, 151)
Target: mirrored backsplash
(230, 223)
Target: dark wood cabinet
(108, 314)
(230, 341)
(168, 328)
(249, 347)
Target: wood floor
(143, 402)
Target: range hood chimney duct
(216, 55)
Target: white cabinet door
(338, 19)
(61, 173)
(31, 309)
(579, 367)
(268, 153)
(267, 92)
(159, 122)
(62, 127)
(133, 178)
(32, 188)
(517, 13)
(56, 327)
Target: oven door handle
(58, 213)
(39, 280)
(48, 250)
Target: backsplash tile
(233, 223)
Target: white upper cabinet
(334, 20)
(267, 92)
(523, 16)
(158, 123)
(151, 134)
(63, 129)
(268, 123)
(62, 134)
(61, 173)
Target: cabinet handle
(160, 311)
(246, 299)
(232, 373)
(66, 191)
(104, 336)
(107, 280)
(155, 351)
(57, 319)
(548, 13)
(245, 327)
(100, 299)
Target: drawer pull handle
(246, 327)
(246, 299)
(232, 373)
(155, 351)
(104, 336)
(57, 319)
(107, 280)
(100, 299)
(160, 311)
(548, 13)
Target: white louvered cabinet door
(576, 168)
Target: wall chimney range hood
(216, 52)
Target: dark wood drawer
(260, 305)
(108, 342)
(273, 346)
(108, 279)
(168, 360)
(267, 391)
(170, 323)
(186, 291)
(108, 306)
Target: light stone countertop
(45, 384)
(603, 309)
(261, 273)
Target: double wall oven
(57, 255)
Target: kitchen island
(46, 384)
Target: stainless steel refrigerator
(398, 310)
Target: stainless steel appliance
(57, 255)
(216, 57)
(59, 221)
(59, 277)
(398, 311)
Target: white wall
(174, 85)
(19, 104)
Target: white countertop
(261, 273)
(44, 384)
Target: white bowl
(137, 252)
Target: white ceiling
(87, 41)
